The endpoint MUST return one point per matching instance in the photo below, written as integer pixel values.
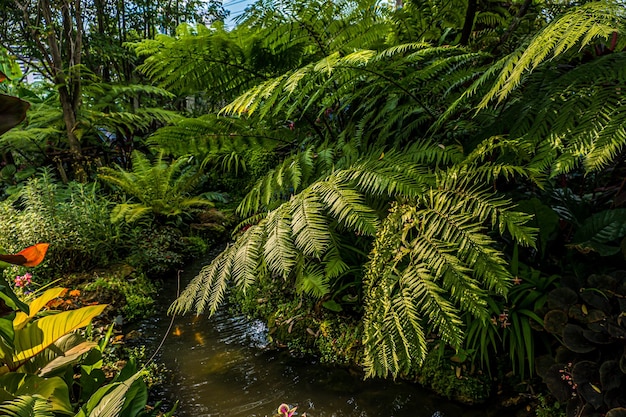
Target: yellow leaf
(43, 332)
(21, 319)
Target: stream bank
(222, 366)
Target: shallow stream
(220, 366)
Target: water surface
(221, 366)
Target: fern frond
(347, 206)
(130, 213)
(488, 207)
(309, 225)
(280, 251)
(576, 29)
(199, 294)
(432, 259)
(280, 183)
(249, 252)
(313, 281)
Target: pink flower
(23, 281)
(285, 411)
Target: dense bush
(74, 218)
(136, 292)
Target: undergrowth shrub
(448, 379)
(155, 250)
(135, 292)
(74, 218)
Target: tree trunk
(468, 24)
(68, 86)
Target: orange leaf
(31, 256)
(2, 76)
(34, 254)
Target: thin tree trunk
(468, 25)
(69, 89)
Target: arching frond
(299, 240)
(280, 183)
(210, 136)
(565, 119)
(432, 259)
(576, 29)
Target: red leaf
(31, 256)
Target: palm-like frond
(161, 188)
(210, 136)
(198, 57)
(288, 178)
(573, 120)
(303, 233)
(432, 260)
(578, 28)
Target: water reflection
(221, 367)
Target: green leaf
(544, 219)
(9, 297)
(332, 305)
(21, 319)
(109, 400)
(27, 405)
(43, 332)
(598, 231)
(69, 357)
(54, 389)
(314, 282)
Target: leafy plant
(75, 217)
(588, 371)
(33, 335)
(514, 328)
(137, 292)
(162, 189)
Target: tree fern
(432, 260)
(302, 232)
(366, 134)
(162, 189)
(565, 120)
(576, 29)
(279, 184)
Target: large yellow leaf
(21, 318)
(43, 332)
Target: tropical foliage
(426, 173)
(381, 143)
(163, 189)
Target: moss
(132, 293)
(453, 381)
(339, 341)
(547, 408)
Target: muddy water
(221, 366)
